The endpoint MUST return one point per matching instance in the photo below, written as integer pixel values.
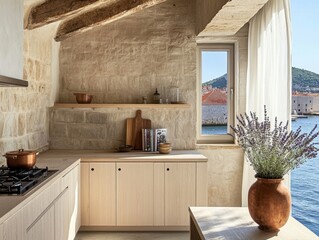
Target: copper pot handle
(13, 157)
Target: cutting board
(134, 128)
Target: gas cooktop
(19, 181)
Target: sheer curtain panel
(269, 70)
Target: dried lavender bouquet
(273, 152)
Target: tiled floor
(132, 236)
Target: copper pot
(83, 98)
(21, 159)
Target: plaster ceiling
(232, 17)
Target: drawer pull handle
(167, 169)
(92, 169)
(119, 169)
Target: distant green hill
(220, 82)
(302, 81)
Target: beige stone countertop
(10, 204)
(106, 156)
(65, 160)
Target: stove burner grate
(18, 181)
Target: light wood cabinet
(135, 194)
(61, 211)
(179, 193)
(1, 232)
(51, 215)
(67, 206)
(98, 206)
(13, 227)
(43, 227)
(141, 194)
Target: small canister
(156, 97)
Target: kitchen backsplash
(106, 128)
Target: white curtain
(269, 70)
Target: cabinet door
(179, 192)
(1, 232)
(14, 228)
(73, 202)
(102, 194)
(135, 195)
(67, 206)
(43, 227)
(61, 211)
(85, 194)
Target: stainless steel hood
(12, 82)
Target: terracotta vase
(269, 204)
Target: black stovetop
(18, 181)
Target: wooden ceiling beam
(54, 10)
(102, 15)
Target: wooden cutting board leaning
(134, 128)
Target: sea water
(305, 183)
(304, 180)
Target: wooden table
(235, 223)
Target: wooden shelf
(155, 106)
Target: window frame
(217, 138)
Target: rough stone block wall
(126, 60)
(214, 114)
(24, 115)
(106, 128)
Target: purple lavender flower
(273, 151)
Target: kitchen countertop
(235, 223)
(10, 204)
(103, 155)
(65, 160)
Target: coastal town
(214, 105)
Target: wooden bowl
(166, 144)
(165, 148)
(83, 98)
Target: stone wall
(106, 128)
(128, 59)
(24, 115)
(214, 114)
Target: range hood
(12, 82)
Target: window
(215, 93)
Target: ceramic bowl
(125, 148)
(83, 98)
